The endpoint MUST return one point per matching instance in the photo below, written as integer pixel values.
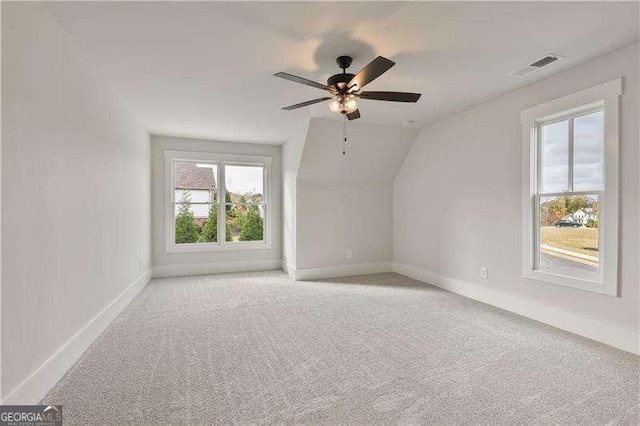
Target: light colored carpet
(261, 348)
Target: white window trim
(607, 96)
(220, 160)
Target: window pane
(199, 211)
(569, 235)
(245, 222)
(196, 223)
(244, 184)
(555, 156)
(196, 180)
(588, 148)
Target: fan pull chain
(344, 134)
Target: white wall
(0, 205)
(72, 240)
(344, 202)
(457, 198)
(336, 216)
(291, 156)
(174, 264)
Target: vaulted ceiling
(204, 69)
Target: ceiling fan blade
(302, 80)
(353, 115)
(373, 70)
(390, 96)
(307, 103)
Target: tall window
(570, 200)
(216, 202)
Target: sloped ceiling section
(374, 153)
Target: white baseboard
(34, 387)
(342, 271)
(610, 334)
(216, 268)
(289, 269)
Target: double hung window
(570, 197)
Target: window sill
(204, 247)
(572, 282)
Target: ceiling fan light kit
(344, 104)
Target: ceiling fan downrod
(344, 62)
(344, 134)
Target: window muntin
(567, 204)
(200, 201)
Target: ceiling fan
(347, 88)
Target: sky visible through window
(555, 157)
(587, 154)
(244, 179)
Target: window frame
(221, 160)
(603, 97)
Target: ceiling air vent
(540, 63)
(544, 61)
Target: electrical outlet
(349, 255)
(484, 272)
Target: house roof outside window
(189, 176)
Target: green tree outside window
(186, 228)
(252, 226)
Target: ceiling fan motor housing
(340, 80)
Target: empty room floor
(262, 348)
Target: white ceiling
(204, 69)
